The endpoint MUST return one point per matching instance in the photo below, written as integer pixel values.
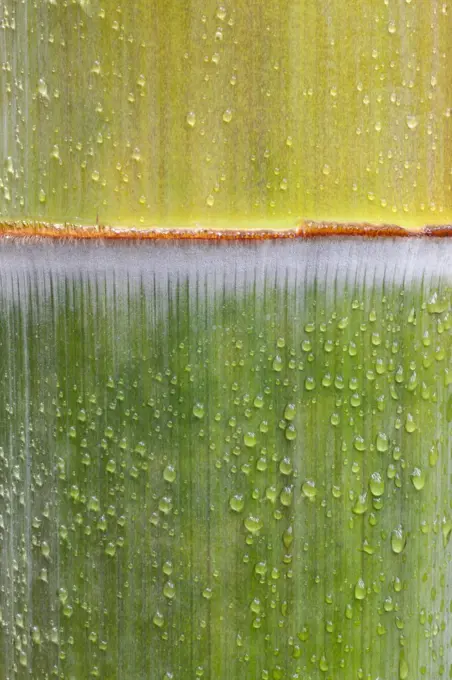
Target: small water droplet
(158, 619)
(198, 410)
(412, 122)
(392, 28)
(227, 116)
(42, 89)
(169, 590)
(169, 474)
(191, 119)
(403, 668)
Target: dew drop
(227, 116)
(309, 489)
(360, 590)
(237, 502)
(169, 474)
(398, 540)
(382, 442)
(169, 590)
(249, 439)
(361, 505)
(253, 524)
(376, 484)
(198, 410)
(412, 122)
(418, 479)
(191, 119)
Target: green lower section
(225, 462)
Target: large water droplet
(418, 479)
(376, 484)
(360, 590)
(398, 539)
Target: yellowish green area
(228, 113)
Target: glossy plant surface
(225, 461)
(226, 114)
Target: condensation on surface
(224, 461)
(157, 112)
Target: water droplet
(376, 484)
(290, 432)
(398, 539)
(309, 489)
(323, 665)
(158, 619)
(326, 170)
(141, 81)
(382, 442)
(198, 410)
(412, 122)
(221, 13)
(290, 411)
(249, 439)
(271, 494)
(165, 505)
(169, 590)
(286, 496)
(42, 89)
(359, 443)
(169, 474)
(42, 196)
(210, 200)
(360, 590)
(361, 505)
(392, 27)
(447, 531)
(437, 304)
(253, 524)
(410, 425)
(309, 383)
(277, 363)
(285, 466)
(191, 119)
(403, 668)
(110, 549)
(388, 604)
(237, 502)
(418, 479)
(288, 537)
(227, 116)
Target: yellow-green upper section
(228, 113)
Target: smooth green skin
(339, 111)
(110, 357)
